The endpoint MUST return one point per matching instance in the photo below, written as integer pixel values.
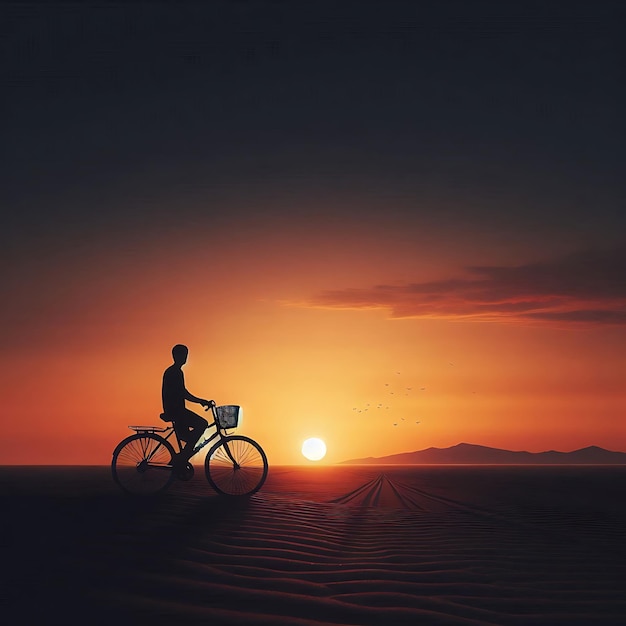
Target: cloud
(587, 287)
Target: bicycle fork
(231, 457)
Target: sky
(390, 225)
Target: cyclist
(189, 425)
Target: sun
(314, 449)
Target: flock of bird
(389, 390)
(392, 392)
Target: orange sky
(313, 197)
(87, 348)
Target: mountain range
(470, 454)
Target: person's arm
(205, 403)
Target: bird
(417, 422)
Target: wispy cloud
(586, 287)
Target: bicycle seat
(165, 417)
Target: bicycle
(235, 465)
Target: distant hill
(470, 454)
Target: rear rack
(149, 429)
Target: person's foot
(183, 469)
(185, 472)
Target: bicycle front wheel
(236, 466)
(142, 464)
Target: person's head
(180, 352)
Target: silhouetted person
(189, 426)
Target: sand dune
(334, 545)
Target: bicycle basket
(228, 415)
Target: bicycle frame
(168, 431)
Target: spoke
(143, 465)
(244, 477)
(249, 454)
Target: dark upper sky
(512, 111)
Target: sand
(319, 545)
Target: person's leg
(193, 425)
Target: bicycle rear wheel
(236, 466)
(142, 464)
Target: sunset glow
(397, 241)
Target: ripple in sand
(402, 547)
(381, 492)
(384, 492)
